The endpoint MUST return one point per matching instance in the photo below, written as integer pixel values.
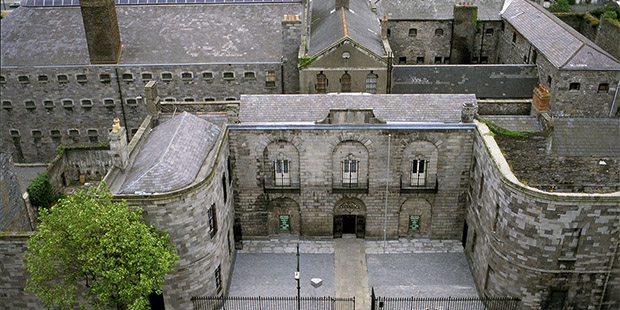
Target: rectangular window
(574, 86)
(212, 221)
(284, 222)
(218, 280)
(603, 87)
(402, 60)
(249, 75)
(166, 76)
(228, 75)
(43, 78)
(489, 31)
(413, 32)
(371, 83)
(81, 78)
(437, 59)
(147, 76)
(30, 105)
(438, 32)
(484, 59)
(24, 79)
(414, 223)
(321, 83)
(127, 77)
(187, 76)
(514, 37)
(270, 79)
(419, 60)
(282, 172)
(207, 75)
(350, 168)
(105, 78)
(418, 172)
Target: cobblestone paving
(288, 246)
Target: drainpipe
(613, 103)
(387, 183)
(120, 95)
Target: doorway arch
(284, 217)
(349, 217)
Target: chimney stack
(342, 3)
(384, 27)
(118, 144)
(102, 34)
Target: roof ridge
(344, 22)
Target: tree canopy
(560, 6)
(90, 249)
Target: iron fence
(445, 303)
(272, 303)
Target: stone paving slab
(286, 245)
(272, 275)
(411, 246)
(421, 275)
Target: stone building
(343, 46)
(320, 163)
(580, 77)
(196, 52)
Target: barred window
(345, 82)
(81, 78)
(321, 83)
(371, 83)
(62, 78)
(212, 221)
(105, 78)
(43, 78)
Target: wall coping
(507, 176)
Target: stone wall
(504, 106)
(13, 212)
(318, 196)
(607, 37)
(585, 100)
(412, 39)
(533, 245)
(486, 40)
(13, 274)
(184, 214)
(65, 170)
(585, 23)
(38, 122)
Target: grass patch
(496, 130)
(62, 148)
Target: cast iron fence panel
(445, 303)
(272, 303)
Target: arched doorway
(350, 218)
(284, 217)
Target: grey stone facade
(13, 274)
(533, 244)
(420, 42)
(13, 212)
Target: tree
(89, 248)
(560, 6)
(40, 191)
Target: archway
(284, 217)
(350, 218)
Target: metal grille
(272, 303)
(445, 303)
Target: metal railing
(272, 303)
(445, 303)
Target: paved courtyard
(403, 268)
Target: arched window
(321, 83)
(350, 168)
(371, 83)
(345, 83)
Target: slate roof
(488, 10)
(586, 137)
(488, 81)
(150, 34)
(515, 122)
(328, 26)
(562, 45)
(171, 156)
(390, 108)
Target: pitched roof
(390, 108)
(150, 34)
(435, 9)
(586, 137)
(330, 25)
(562, 45)
(171, 156)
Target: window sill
(282, 189)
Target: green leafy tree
(91, 250)
(40, 191)
(560, 6)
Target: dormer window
(418, 172)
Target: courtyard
(405, 268)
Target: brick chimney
(342, 3)
(102, 34)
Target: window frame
(228, 75)
(345, 82)
(127, 77)
(282, 171)
(603, 88)
(574, 86)
(413, 32)
(350, 171)
(165, 78)
(321, 83)
(81, 78)
(270, 79)
(212, 218)
(418, 172)
(371, 82)
(187, 76)
(438, 32)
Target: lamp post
(297, 277)
(387, 182)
